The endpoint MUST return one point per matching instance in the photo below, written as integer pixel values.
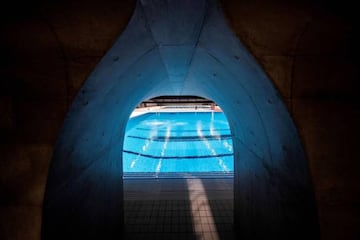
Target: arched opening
(179, 48)
(178, 170)
(177, 136)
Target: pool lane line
(190, 130)
(183, 138)
(177, 157)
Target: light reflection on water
(181, 142)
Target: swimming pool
(178, 142)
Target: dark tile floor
(179, 208)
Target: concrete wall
(49, 50)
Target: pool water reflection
(169, 142)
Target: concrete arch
(179, 48)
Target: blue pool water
(178, 142)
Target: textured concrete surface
(308, 49)
(179, 48)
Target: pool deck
(179, 209)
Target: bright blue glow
(178, 142)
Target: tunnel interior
(179, 48)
